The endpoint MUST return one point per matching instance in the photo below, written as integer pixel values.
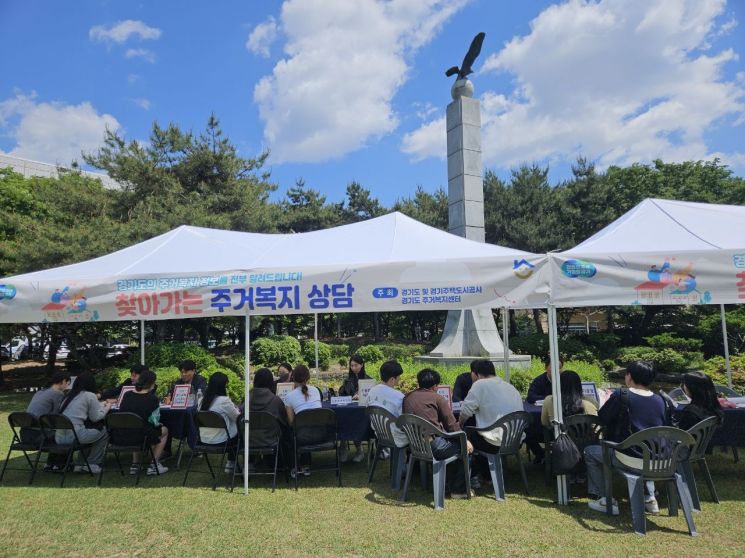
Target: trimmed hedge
(324, 354)
(161, 355)
(716, 369)
(270, 351)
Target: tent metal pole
(725, 340)
(553, 342)
(142, 342)
(246, 406)
(506, 339)
(315, 342)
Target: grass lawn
(160, 518)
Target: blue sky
(343, 90)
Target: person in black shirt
(351, 387)
(134, 374)
(540, 387)
(704, 402)
(464, 382)
(144, 403)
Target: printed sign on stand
(446, 392)
(342, 400)
(125, 389)
(181, 394)
(283, 389)
(364, 390)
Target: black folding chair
(702, 433)
(419, 433)
(264, 437)
(513, 427)
(50, 425)
(209, 419)
(315, 430)
(382, 422)
(127, 433)
(27, 437)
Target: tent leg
(246, 407)
(726, 347)
(315, 342)
(553, 342)
(506, 340)
(142, 342)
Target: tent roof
(657, 225)
(391, 238)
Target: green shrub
(671, 341)
(340, 350)
(608, 365)
(604, 345)
(370, 354)
(160, 355)
(324, 354)
(235, 363)
(269, 351)
(400, 351)
(111, 377)
(627, 355)
(535, 344)
(716, 369)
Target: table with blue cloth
(180, 423)
(732, 431)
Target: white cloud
(344, 61)
(133, 78)
(145, 54)
(122, 31)
(619, 81)
(141, 102)
(261, 38)
(52, 132)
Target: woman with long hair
(216, 400)
(302, 398)
(284, 372)
(351, 387)
(86, 414)
(572, 402)
(704, 401)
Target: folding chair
(419, 433)
(664, 449)
(209, 419)
(513, 426)
(127, 433)
(702, 433)
(50, 425)
(265, 428)
(382, 422)
(24, 426)
(315, 430)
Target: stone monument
(468, 334)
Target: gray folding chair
(382, 422)
(702, 433)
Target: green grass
(160, 518)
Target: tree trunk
(537, 320)
(513, 322)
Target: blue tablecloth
(180, 423)
(732, 431)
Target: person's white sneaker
(95, 469)
(385, 453)
(229, 466)
(359, 456)
(134, 468)
(599, 505)
(651, 505)
(161, 469)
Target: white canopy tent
(661, 252)
(391, 263)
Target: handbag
(565, 455)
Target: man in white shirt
(489, 399)
(385, 395)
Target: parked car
(62, 352)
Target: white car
(62, 352)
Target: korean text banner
(432, 285)
(677, 278)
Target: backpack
(564, 454)
(621, 422)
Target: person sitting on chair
(300, 399)
(188, 371)
(489, 399)
(144, 403)
(46, 402)
(216, 400)
(351, 387)
(386, 395)
(463, 382)
(572, 401)
(539, 389)
(704, 401)
(86, 414)
(426, 403)
(134, 374)
(628, 410)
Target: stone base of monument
(516, 361)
